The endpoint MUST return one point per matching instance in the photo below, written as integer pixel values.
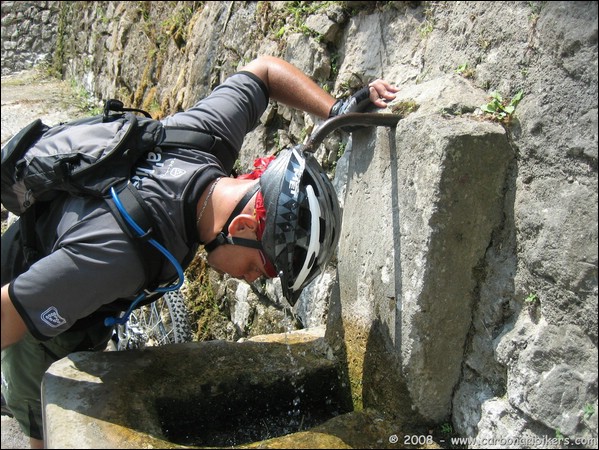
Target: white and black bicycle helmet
(303, 221)
(302, 224)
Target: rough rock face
(28, 34)
(466, 284)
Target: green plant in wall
(332, 167)
(465, 70)
(535, 11)
(58, 56)
(291, 17)
(238, 167)
(531, 299)
(200, 296)
(177, 26)
(281, 32)
(428, 25)
(500, 109)
(426, 28)
(83, 99)
(341, 149)
(405, 108)
(446, 429)
(588, 411)
(300, 10)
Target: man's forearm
(290, 86)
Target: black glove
(359, 102)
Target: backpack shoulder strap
(28, 236)
(136, 207)
(200, 140)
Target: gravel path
(12, 437)
(29, 95)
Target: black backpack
(89, 157)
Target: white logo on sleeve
(176, 172)
(52, 318)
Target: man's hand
(376, 94)
(381, 92)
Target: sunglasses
(269, 268)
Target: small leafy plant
(588, 411)
(502, 110)
(532, 299)
(446, 428)
(404, 108)
(465, 70)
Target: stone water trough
(200, 394)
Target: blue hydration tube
(109, 321)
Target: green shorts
(24, 365)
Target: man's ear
(243, 223)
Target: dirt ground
(29, 95)
(12, 436)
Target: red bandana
(260, 165)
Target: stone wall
(29, 32)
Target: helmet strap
(223, 236)
(221, 239)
